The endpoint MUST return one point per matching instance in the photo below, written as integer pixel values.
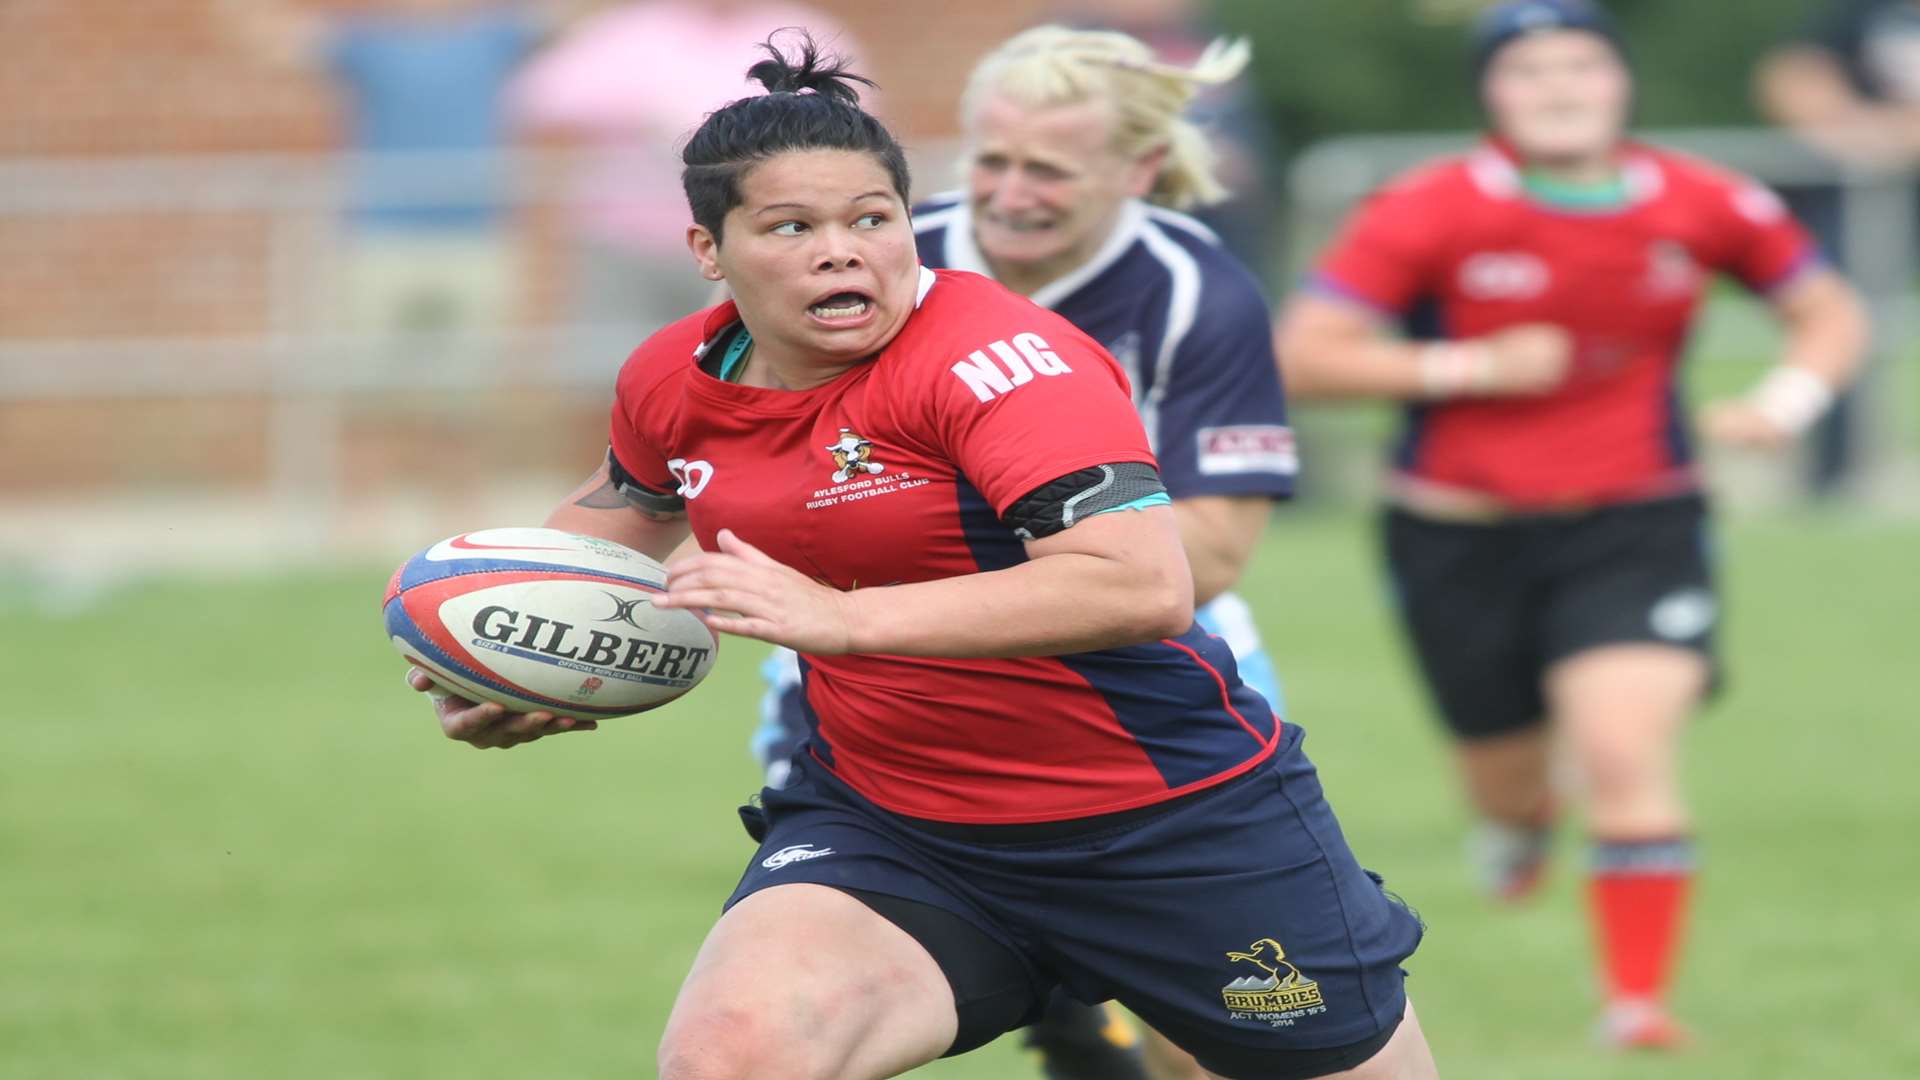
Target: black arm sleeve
(639, 495)
(1057, 505)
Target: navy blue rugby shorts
(1235, 920)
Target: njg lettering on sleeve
(1002, 367)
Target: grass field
(232, 845)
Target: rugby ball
(538, 619)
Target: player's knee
(726, 1043)
(1614, 771)
(715, 1044)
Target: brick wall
(100, 80)
(96, 77)
(106, 79)
(92, 77)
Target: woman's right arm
(1329, 348)
(596, 508)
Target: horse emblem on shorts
(1279, 989)
(852, 456)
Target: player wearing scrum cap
(1078, 163)
(1546, 529)
(1027, 766)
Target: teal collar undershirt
(1609, 194)
(730, 361)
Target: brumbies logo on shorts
(1279, 995)
(853, 456)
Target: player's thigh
(1406, 1056)
(1629, 636)
(1620, 707)
(804, 980)
(1240, 926)
(814, 832)
(1469, 615)
(1629, 575)
(1165, 1059)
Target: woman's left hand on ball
(747, 592)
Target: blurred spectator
(424, 85)
(1243, 137)
(625, 85)
(1847, 84)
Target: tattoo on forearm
(604, 497)
(660, 515)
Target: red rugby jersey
(1458, 250)
(897, 472)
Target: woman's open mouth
(848, 308)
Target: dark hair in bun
(812, 103)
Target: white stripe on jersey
(935, 219)
(1126, 230)
(1184, 222)
(1182, 306)
(958, 251)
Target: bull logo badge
(852, 456)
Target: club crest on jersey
(1278, 995)
(1671, 270)
(853, 456)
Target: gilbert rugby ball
(542, 619)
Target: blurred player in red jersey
(1027, 766)
(1546, 528)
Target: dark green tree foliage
(1329, 67)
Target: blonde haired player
(1079, 158)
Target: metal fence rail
(169, 280)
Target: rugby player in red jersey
(1080, 159)
(1546, 527)
(1028, 767)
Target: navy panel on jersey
(809, 717)
(993, 545)
(1422, 322)
(1142, 683)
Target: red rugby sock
(1639, 896)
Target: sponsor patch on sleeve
(1248, 448)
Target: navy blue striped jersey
(1189, 324)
